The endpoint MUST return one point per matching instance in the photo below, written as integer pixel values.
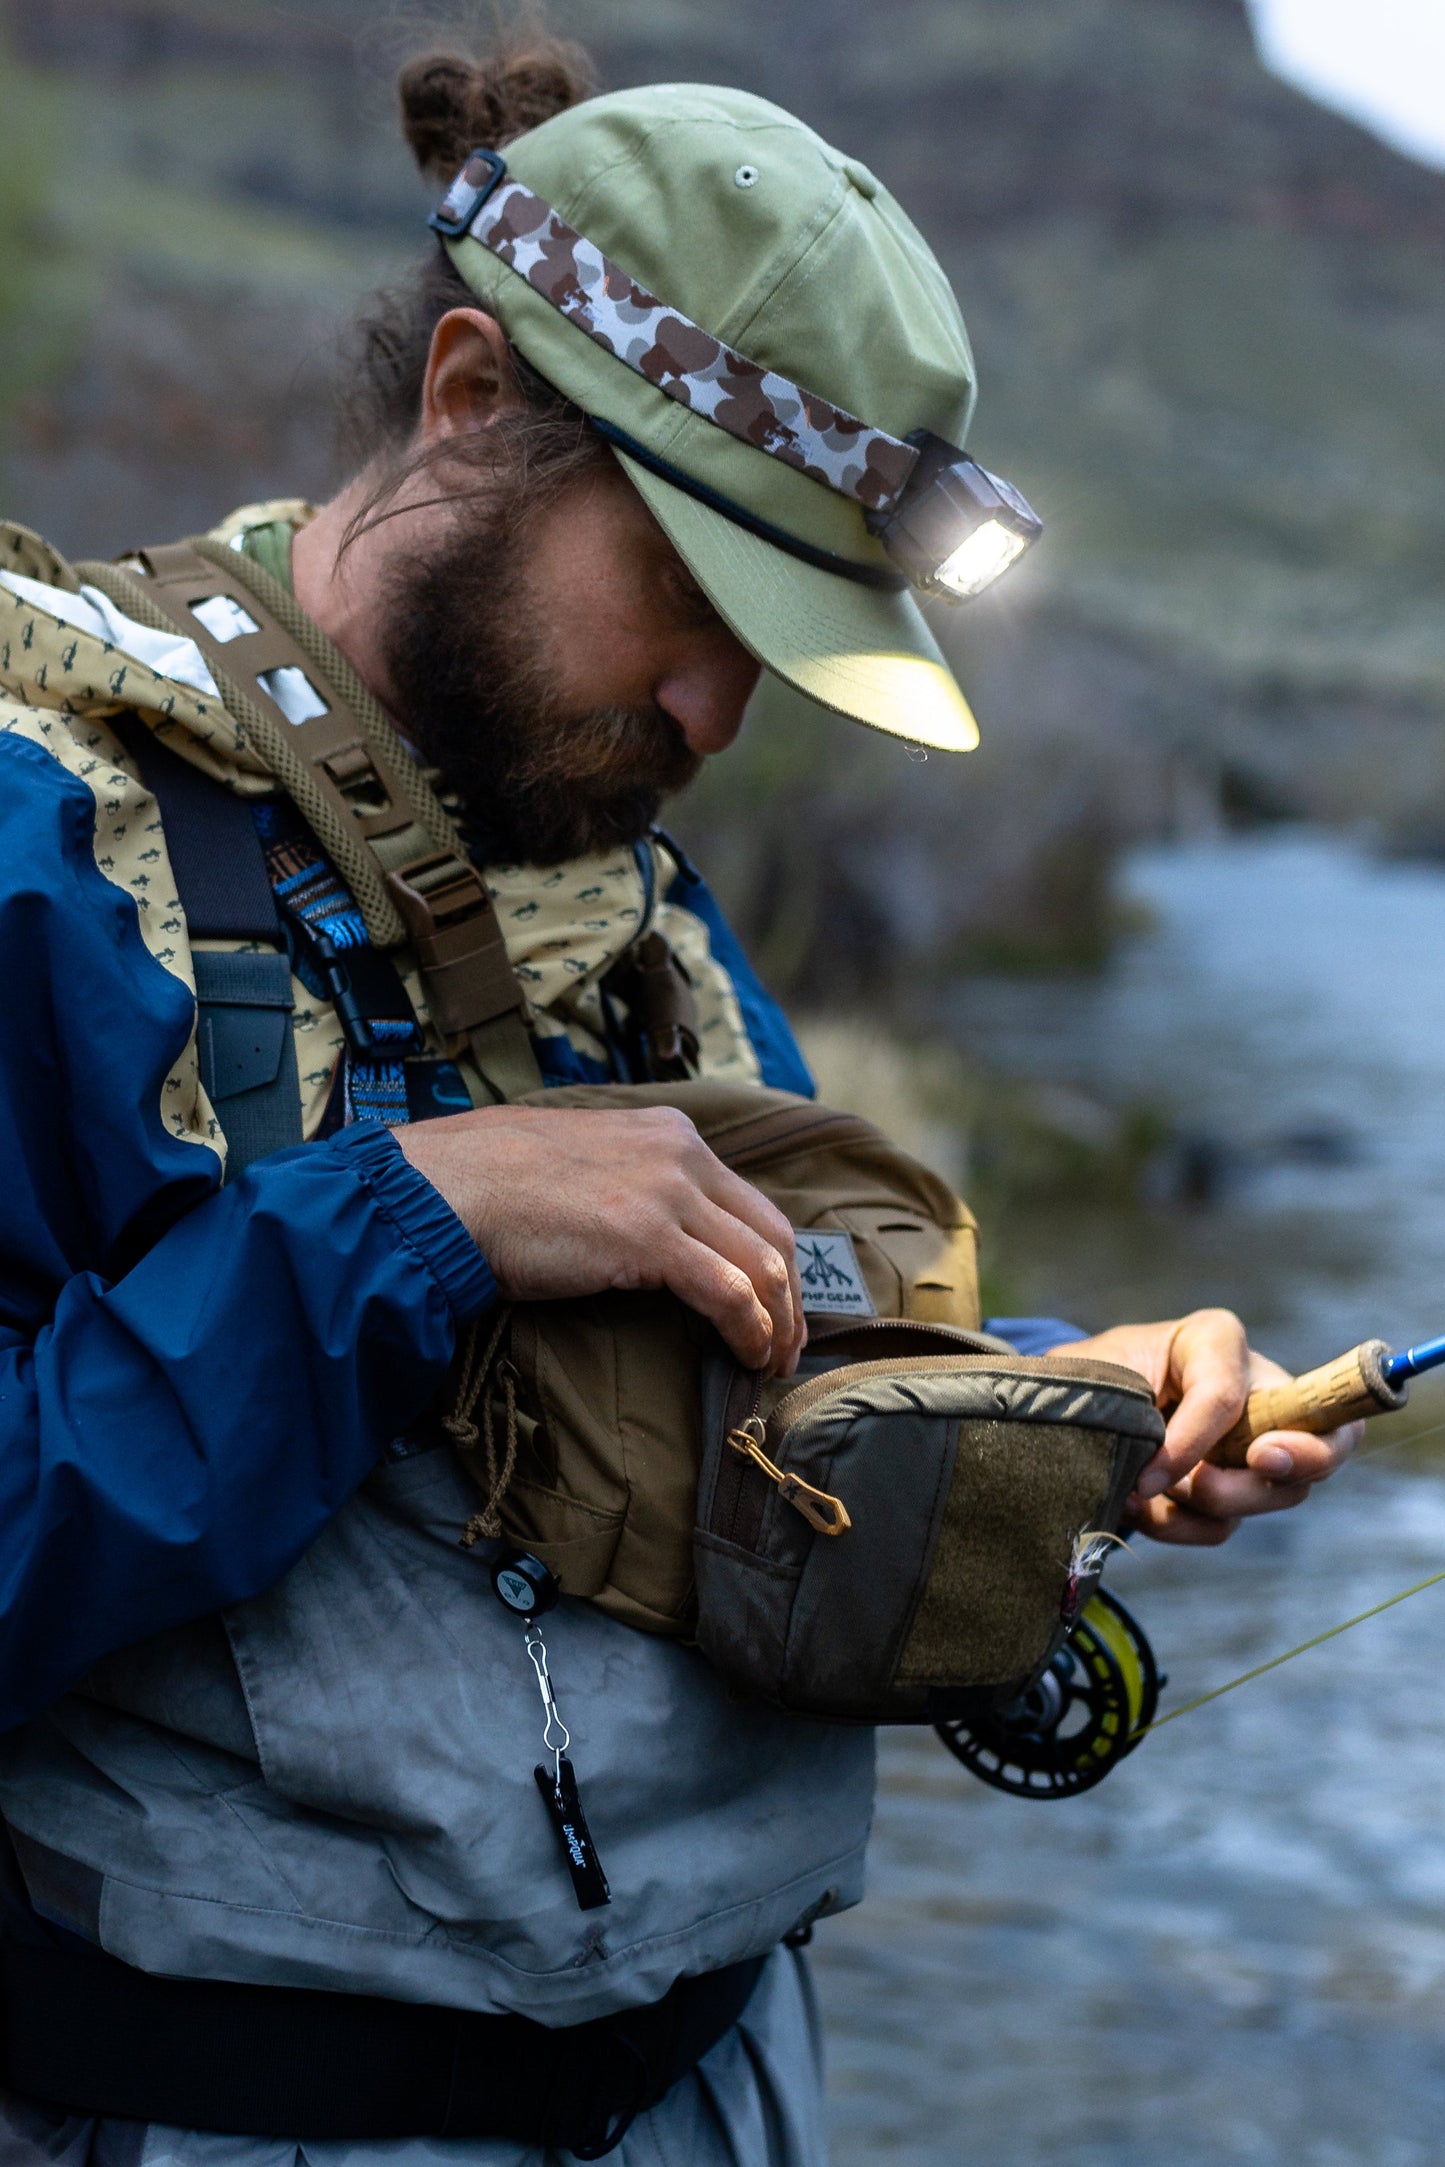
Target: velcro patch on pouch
(833, 1285)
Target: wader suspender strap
(355, 784)
(244, 1039)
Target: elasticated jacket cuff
(422, 1215)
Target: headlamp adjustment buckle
(483, 171)
(448, 914)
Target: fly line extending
(1331, 1632)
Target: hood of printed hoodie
(64, 646)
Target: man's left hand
(1202, 1370)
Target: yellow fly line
(1331, 1633)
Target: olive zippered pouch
(909, 1526)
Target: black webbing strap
(247, 1052)
(244, 1041)
(215, 852)
(84, 2032)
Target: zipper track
(808, 1396)
(766, 1136)
(825, 1329)
(741, 1493)
(737, 1513)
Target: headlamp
(955, 527)
(949, 526)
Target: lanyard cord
(1331, 1632)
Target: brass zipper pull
(829, 1515)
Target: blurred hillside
(1209, 319)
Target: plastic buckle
(468, 192)
(437, 892)
(365, 988)
(447, 911)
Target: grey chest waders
(910, 1531)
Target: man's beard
(468, 669)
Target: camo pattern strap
(692, 366)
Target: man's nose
(706, 693)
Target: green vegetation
(29, 332)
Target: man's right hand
(568, 1202)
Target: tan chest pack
(913, 1519)
(608, 1392)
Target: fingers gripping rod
(1370, 1380)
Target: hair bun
(450, 105)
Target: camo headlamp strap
(692, 366)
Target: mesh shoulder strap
(344, 767)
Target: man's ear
(469, 379)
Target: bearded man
(278, 1874)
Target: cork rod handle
(1352, 1386)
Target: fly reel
(1090, 1707)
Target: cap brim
(859, 650)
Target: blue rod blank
(1428, 1355)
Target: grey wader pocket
(903, 1528)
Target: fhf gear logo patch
(833, 1285)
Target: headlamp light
(955, 527)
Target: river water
(1234, 1949)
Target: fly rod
(1372, 1379)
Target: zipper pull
(829, 1515)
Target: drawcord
(460, 1424)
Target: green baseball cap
(752, 321)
